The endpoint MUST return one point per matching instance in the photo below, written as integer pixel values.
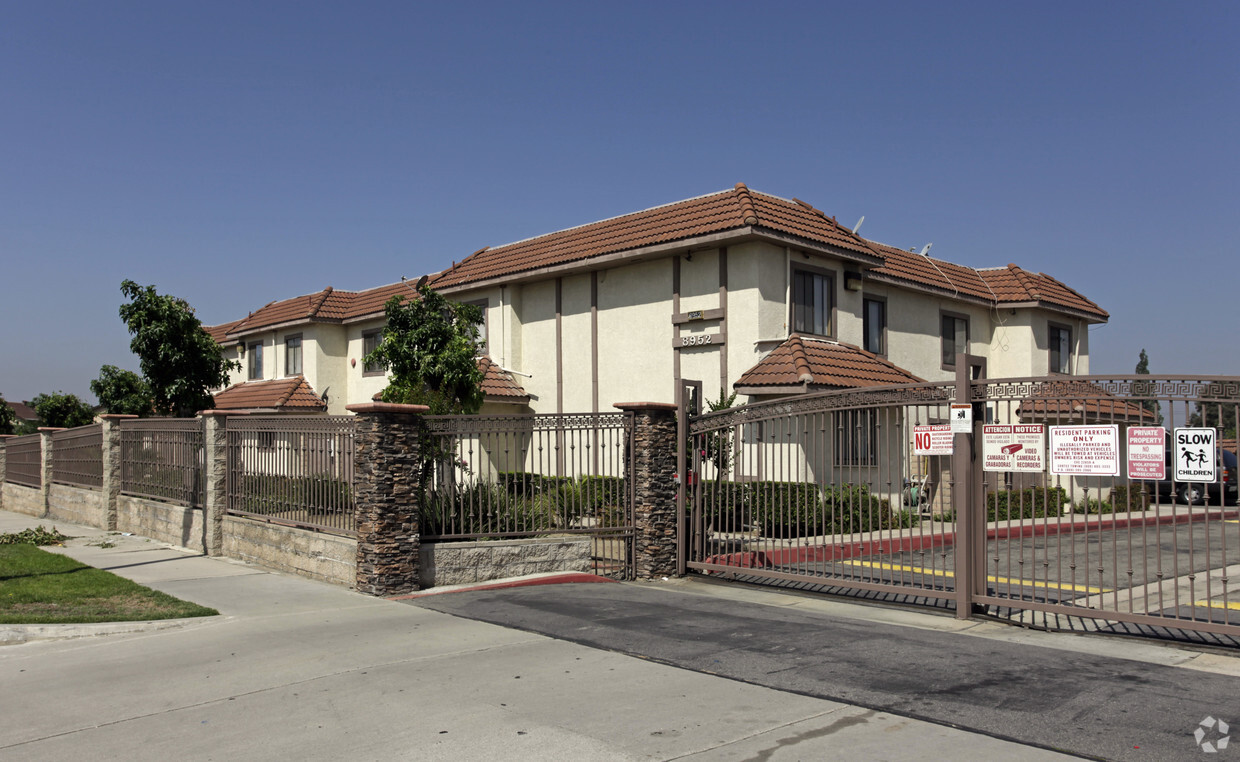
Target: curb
(550, 578)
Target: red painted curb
(503, 584)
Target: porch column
(653, 474)
(385, 496)
(215, 479)
(111, 427)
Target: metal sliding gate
(525, 476)
(1049, 511)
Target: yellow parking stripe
(1233, 605)
(1089, 590)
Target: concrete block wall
(77, 505)
(316, 555)
(458, 563)
(27, 500)
(177, 525)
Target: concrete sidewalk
(298, 669)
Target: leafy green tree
(122, 392)
(62, 410)
(8, 419)
(429, 345)
(1146, 389)
(180, 360)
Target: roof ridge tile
(748, 214)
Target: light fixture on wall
(852, 281)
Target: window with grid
(292, 356)
(955, 338)
(813, 301)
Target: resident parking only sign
(1195, 459)
(1085, 450)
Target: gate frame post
(682, 467)
(967, 491)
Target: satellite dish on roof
(925, 249)
(858, 225)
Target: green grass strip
(38, 587)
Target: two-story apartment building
(739, 289)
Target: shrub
(1120, 500)
(1035, 502)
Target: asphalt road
(1083, 703)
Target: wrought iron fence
(162, 458)
(816, 487)
(77, 456)
(531, 476)
(23, 461)
(295, 470)
(1110, 501)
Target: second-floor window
(1060, 341)
(874, 325)
(292, 356)
(812, 302)
(370, 341)
(955, 338)
(256, 361)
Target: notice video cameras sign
(1016, 447)
(1195, 458)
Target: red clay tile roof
(326, 306)
(220, 332)
(742, 209)
(288, 394)
(804, 363)
(714, 213)
(498, 385)
(738, 209)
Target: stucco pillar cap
(626, 406)
(387, 407)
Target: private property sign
(1147, 447)
(932, 439)
(1085, 450)
(1195, 460)
(1014, 447)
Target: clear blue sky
(232, 153)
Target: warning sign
(962, 418)
(1085, 450)
(1195, 460)
(1014, 447)
(1147, 448)
(932, 439)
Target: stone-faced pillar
(654, 486)
(3, 472)
(215, 479)
(385, 496)
(111, 425)
(47, 449)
